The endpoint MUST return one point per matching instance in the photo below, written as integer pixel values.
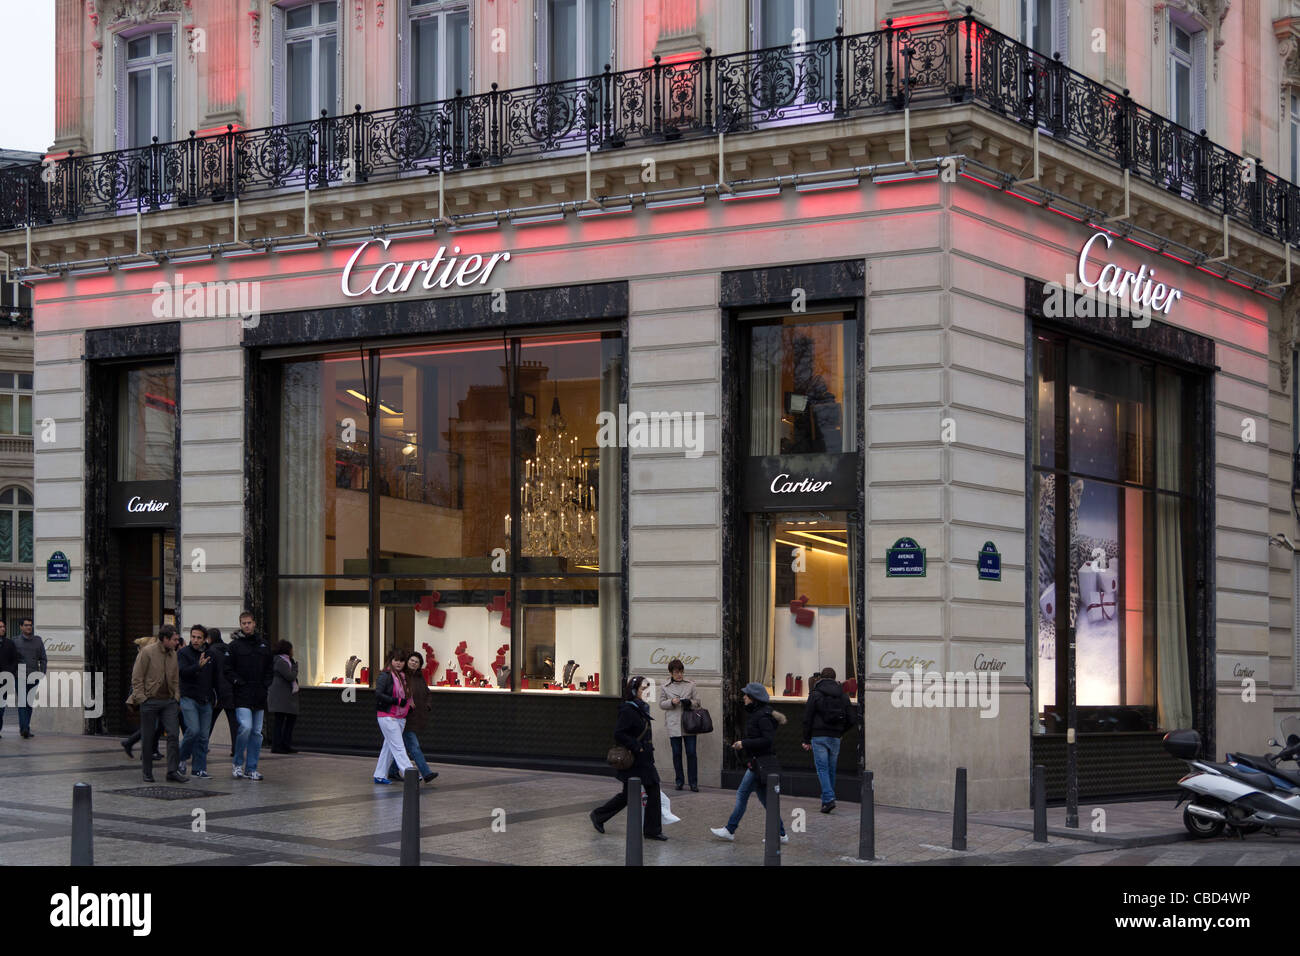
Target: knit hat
(756, 691)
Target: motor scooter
(1245, 793)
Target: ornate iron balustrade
(953, 61)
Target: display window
(444, 473)
(146, 424)
(1110, 444)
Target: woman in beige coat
(675, 697)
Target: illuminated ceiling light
(752, 194)
(674, 203)
(833, 184)
(532, 220)
(605, 211)
(382, 407)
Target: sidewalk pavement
(1131, 824)
(321, 809)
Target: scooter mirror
(1273, 743)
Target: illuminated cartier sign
(441, 272)
(1139, 288)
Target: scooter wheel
(1199, 827)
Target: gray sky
(27, 74)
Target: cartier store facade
(876, 448)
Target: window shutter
(338, 71)
(1061, 27)
(613, 40)
(1198, 81)
(278, 77)
(539, 40)
(120, 116)
(176, 100)
(472, 56)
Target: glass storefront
(146, 424)
(1109, 458)
(799, 395)
(398, 525)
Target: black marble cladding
(522, 308)
(831, 284)
(131, 341)
(775, 286)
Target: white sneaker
(253, 775)
(722, 833)
(237, 773)
(784, 839)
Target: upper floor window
(306, 61)
(436, 51)
(775, 21)
(15, 403)
(1045, 26)
(146, 77)
(576, 38)
(15, 515)
(1186, 75)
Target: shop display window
(1112, 435)
(146, 424)
(569, 627)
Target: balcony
(937, 65)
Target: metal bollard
(1040, 803)
(867, 819)
(772, 847)
(632, 855)
(959, 812)
(83, 838)
(410, 818)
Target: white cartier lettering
(136, 506)
(442, 271)
(1140, 288)
(806, 484)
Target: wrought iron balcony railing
(954, 61)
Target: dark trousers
(231, 721)
(692, 765)
(168, 713)
(135, 737)
(654, 821)
(282, 732)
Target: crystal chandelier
(557, 502)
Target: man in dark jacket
(826, 719)
(251, 676)
(197, 672)
(222, 687)
(9, 666)
(31, 652)
(759, 745)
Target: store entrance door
(145, 599)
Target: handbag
(620, 757)
(697, 721)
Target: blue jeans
(198, 718)
(692, 766)
(749, 784)
(248, 745)
(826, 754)
(414, 752)
(24, 719)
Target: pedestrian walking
(250, 674)
(282, 699)
(676, 697)
(156, 690)
(633, 732)
(421, 704)
(758, 746)
(224, 687)
(31, 654)
(198, 673)
(8, 665)
(392, 702)
(826, 718)
(129, 744)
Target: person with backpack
(826, 719)
(759, 745)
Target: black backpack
(835, 712)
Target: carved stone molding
(113, 13)
(1287, 332)
(255, 21)
(1209, 14)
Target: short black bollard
(959, 812)
(635, 822)
(410, 818)
(83, 838)
(867, 820)
(772, 846)
(1040, 803)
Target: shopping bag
(665, 807)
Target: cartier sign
(1139, 291)
(143, 504)
(443, 271)
(791, 482)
